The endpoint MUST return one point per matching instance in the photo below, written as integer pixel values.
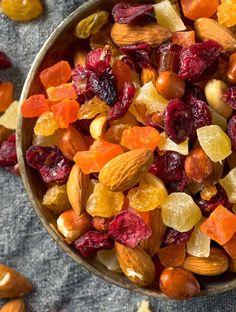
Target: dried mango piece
(62, 92)
(22, 10)
(56, 75)
(46, 124)
(65, 112)
(34, 106)
(194, 9)
(91, 25)
(9, 118)
(6, 95)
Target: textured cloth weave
(60, 285)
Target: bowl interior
(59, 46)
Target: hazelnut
(170, 85)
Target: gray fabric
(59, 284)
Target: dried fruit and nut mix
(136, 142)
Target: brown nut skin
(170, 86)
(231, 72)
(178, 283)
(198, 165)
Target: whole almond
(13, 306)
(12, 283)
(217, 263)
(153, 243)
(178, 283)
(124, 171)
(77, 187)
(126, 34)
(207, 28)
(136, 264)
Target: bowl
(58, 47)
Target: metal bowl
(57, 47)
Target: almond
(126, 34)
(124, 171)
(13, 283)
(136, 264)
(77, 187)
(207, 28)
(215, 264)
(153, 243)
(13, 306)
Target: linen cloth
(60, 285)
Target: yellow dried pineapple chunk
(229, 185)
(166, 144)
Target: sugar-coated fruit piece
(194, 9)
(62, 92)
(184, 38)
(6, 95)
(65, 112)
(199, 243)
(56, 75)
(46, 124)
(34, 106)
(229, 185)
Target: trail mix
(137, 142)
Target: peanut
(170, 86)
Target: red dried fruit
(139, 54)
(83, 125)
(178, 186)
(231, 131)
(207, 207)
(99, 59)
(8, 152)
(128, 228)
(169, 167)
(177, 238)
(178, 121)
(123, 104)
(201, 114)
(104, 85)
(80, 80)
(93, 241)
(192, 93)
(127, 60)
(229, 97)
(125, 13)
(4, 61)
(50, 162)
(199, 61)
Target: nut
(148, 74)
(153, 243)
(232, 265)
(98, 126)
(207, 28)
(231, 72)
(197, 165)
(73, 226)
(70, 141)
(170, 86)
(178, 283)
(16, 305)
(136, 264)
(12, 283)
(77, 187)
(214, 91)
(217, 263)
(126, 34)
(172, 255)
(125, 170)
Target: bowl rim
(22, 166)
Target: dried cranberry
(83, 125)
(4, 61)
(231, 130)
(98, 60)
(178, 121)
(80, 80)
(8, 152)
(199, 61)
(93, 241)
(192, 93)
(201, 114)
(177, 186)
(50, 162)
(125, 13)
(128, 228)
(207, 207)
(123, 104)
(229, 97)
(138, 53)
(104, 86)
(177, 238)
(169, 167)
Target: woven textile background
(60, 285)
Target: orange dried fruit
(34, 106)
(65, 112)
(123, 74)
(56, 75)
(184, 38)
(220, 226)
(6, 95)
(230, 247)
(62, 92)
(194, 9)
(140, 137)
(172, 256)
